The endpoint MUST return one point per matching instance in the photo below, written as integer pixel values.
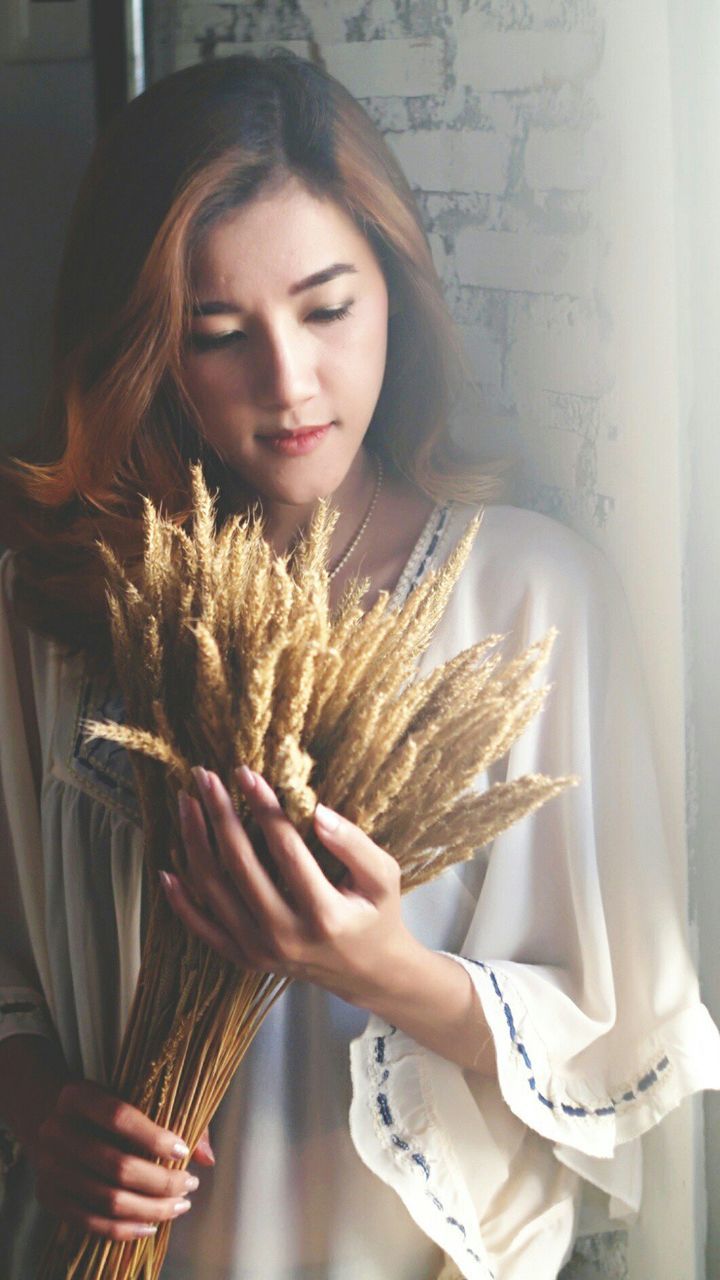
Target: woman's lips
(296, 442)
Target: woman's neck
(283, 521)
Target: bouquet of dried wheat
(228, 654)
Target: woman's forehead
(280, 238)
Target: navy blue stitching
(644, 1083)
(386, 1115)
(431, 548)
(384, 1109)
(102, 768)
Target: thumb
(203, 1153)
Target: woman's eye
(215, 341)
(325, 315)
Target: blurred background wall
(47, 131)
(565, 160)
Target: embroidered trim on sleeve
(609, 1106)
(380, 1071)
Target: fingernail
(191, 1183)
(166, 881)
(179, 1148)
(247, 777)
(145, 1231)
(204, 1147)
(201, 777)
(327, 817)
(181, 1206)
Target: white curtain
(658, 245)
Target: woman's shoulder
(532, 549)
(528, 572)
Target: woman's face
(289, 334)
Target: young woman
(247, 282)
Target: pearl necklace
(365, 523)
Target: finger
(264, 900)
(59, 1201)
(202, 862)
(203, 1153)
(243, 949)
(309, 886)
(95, 1224)
(209, 881)
(91, 1103)
(372, 870)
(118, 1168)
(116, 1203)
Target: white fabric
(569, 930)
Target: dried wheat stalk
(228, 654)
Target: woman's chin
(298, 485)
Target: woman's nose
(285, 371)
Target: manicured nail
(246, 777)
(191, 1183)
(207, 1151)
(327, 817)
(181, 1206)
(180, 1150)
(201, 777)
(145, 1230)
(166, 881)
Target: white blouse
(345, 1150)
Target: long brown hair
(117, 422)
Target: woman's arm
(350, 939)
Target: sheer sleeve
(576, 946)
(23, 1007)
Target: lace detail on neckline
(425, 549)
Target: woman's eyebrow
(322, 277)
(220, 308)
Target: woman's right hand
(95, 1160)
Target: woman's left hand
(349, 938)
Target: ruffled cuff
(398, 1132)
(681, 1057)
(23, 1011)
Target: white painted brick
(564, 159)
(561, 357)
(552, 454)
(439, 255)
(385, 68)
(454, 159)
(525, 262)
(329, 19)
(484, 355)
(187, 54)
(195, 16)
(496, 60)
